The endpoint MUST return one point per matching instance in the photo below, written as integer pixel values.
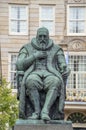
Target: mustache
(42, 41)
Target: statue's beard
(42, 43)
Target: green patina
(41, 68)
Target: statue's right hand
(40, 55)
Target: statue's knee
(55, 80)
(29, 82)
(58, 81)
(55, 83)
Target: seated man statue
(45, 68)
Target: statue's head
(42, 35)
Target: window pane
(23, 13)
(18, 12)
(81, 26)
(77, 63)
(72, 27)
(82, 80)
(13, 70)
(77, 13)
(81, 13)
(13, 58)
(12, 76)
(47, 13)
(13, 67)
(76, 27)
(18, 26)
(48, 25)
(72, 12)
(13, 62)
(71, 64)
(14, 11)
(82, 63)
(23, 26)
(71, 83)
(13, 26)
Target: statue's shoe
(45, 116)
(34, 116)
(22, 115)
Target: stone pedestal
(41, 125)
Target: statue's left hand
(66, 73)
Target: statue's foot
(22, 115)
(45, 116)
(34, 116)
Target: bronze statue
(41, 68)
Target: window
(18, 20)
(12, 70)
(76, 20)
(47, 18)
(77, 63)
(77, 79)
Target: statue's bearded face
(42, 37)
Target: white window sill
(74, 34)
(25, 34)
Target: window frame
(76, 72)
(9, 67)
(77, 93)
(68, 32)
(10, 19)
(53, 19)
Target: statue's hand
(40, 55)
(66, 73)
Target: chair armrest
(19, 76)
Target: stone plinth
(41, 125)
